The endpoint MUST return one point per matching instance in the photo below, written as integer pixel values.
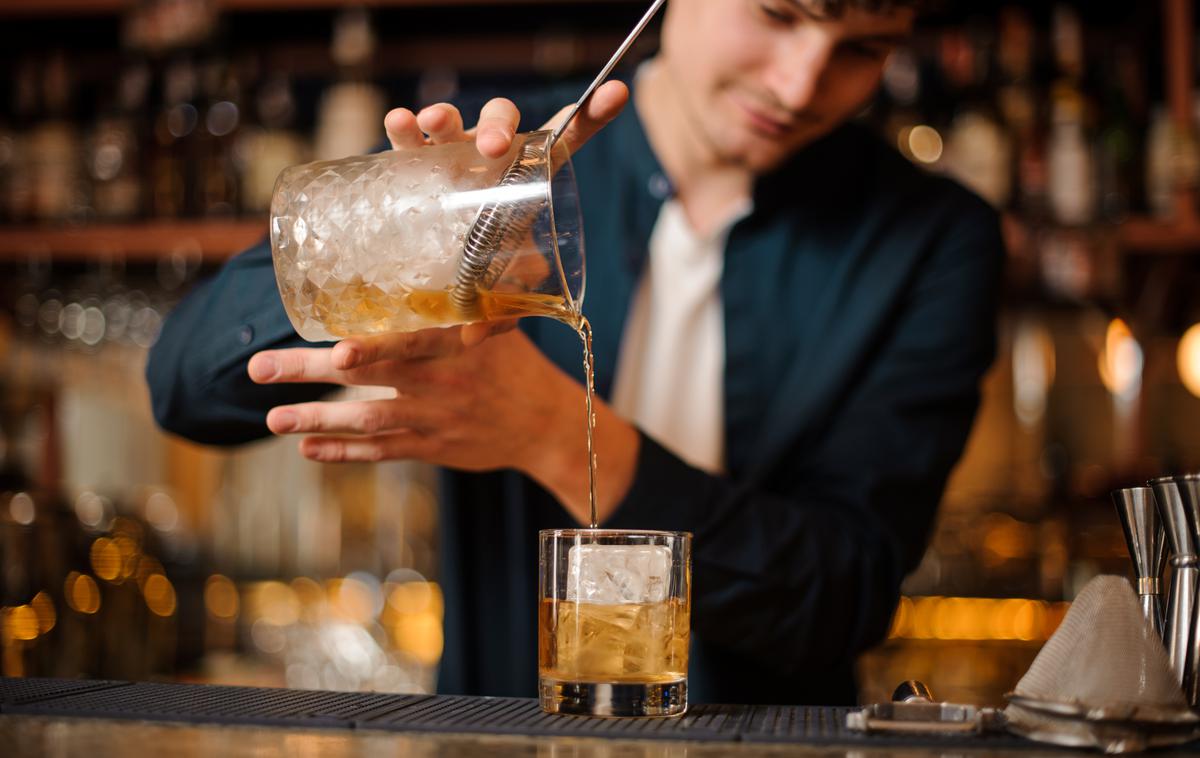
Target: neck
(708, 187)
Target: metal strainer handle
(480, 266)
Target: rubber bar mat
(19, 690)
(521, 716)
(193, 703)
(221, 705)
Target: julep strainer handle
(482, 262)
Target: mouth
(766, 124)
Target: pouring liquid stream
(434, 308)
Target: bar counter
(55, 717)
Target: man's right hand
(497, 125)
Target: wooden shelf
(44, 8)
(1145, 235)
(211, 240)
(219, 240)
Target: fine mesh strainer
(484, 257)
(1103, 679)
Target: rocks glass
(613, 621)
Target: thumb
(605, 104)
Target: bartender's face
(762, 78)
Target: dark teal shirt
(859, 301)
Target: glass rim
(574, 302)
(583, 530)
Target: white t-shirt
(670, 371)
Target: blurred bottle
(1071, 174)
(350, 116)
(114, 156)
(55, 150)
(16, 181)
(271, 146)
(218, 188)
(1017, 105)
(978, 148)
(173, 162)
(1172, 162)
(1117, 145)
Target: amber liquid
(637, 643)
(436, 308)
(351, 308)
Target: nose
(797, 68)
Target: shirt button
(246, 335)
(660, 186)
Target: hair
(835, 8)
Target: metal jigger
(1189, 490)
(1179, 522)
(1146, 540)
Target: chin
(761, 153)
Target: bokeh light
(221, 597)
(275, 602)
(924, 144)
(43, 606)
(976, 619)
(1120, 362)
(106, 559)
(82, 593)
(159, 595)
(21, 509)
(20, 623)
(1188, 359)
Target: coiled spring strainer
(482, 261)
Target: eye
(776, 13)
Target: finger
(359, 417)
(473, 334)
(427, 343)
(402, 129)
(394, 446)
(302, 364)
(497, 126)
(443, 123)
(603, 106)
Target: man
(791, 324)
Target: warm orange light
(274, 602)
(1006, 539)
(1188, 359)
(902, 620)
(419, 635)
(924, 144)
(221, 597)
(1120, 361)
(106, 559)
(43, 606)
(351, 600)
(975, 618)
(414, 597)
(20, 623)
(82, 593)
(159, 595)
(146, 567)
(127, 549)
(311, 597)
